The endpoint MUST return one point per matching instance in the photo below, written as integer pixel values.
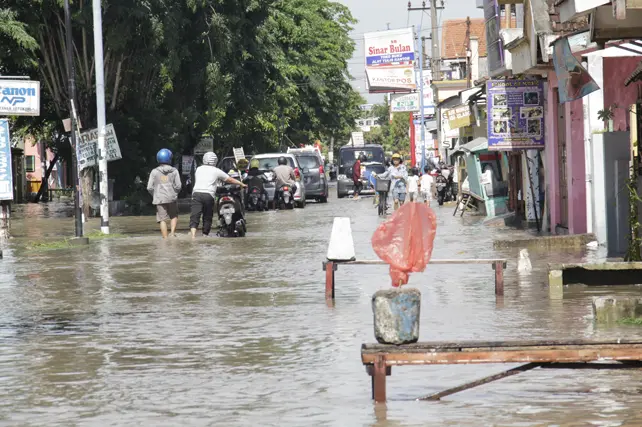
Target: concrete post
(396, 315)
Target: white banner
(88, 147)
(409, 102)
(19, 98)
(390, 59)
(357, 139)
(238, 154)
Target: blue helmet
(164, 157)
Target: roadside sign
(188, 161)
(67, 124)
(6, 177)
(357, 139)
(205, 145)
(19, 98)
(88, 147)
(238, 153)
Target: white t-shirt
(413, 184)
(208, 179)
(426, 183)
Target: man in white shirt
(207, 179)
(425, 184)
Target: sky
(376, 15)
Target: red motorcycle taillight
(226, 199)
(286, 189)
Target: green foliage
(631, 321)
(393, 135)
(251, 73)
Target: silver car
(267, 163)
(316, 183)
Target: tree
(393, 135)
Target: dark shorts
(166, 211)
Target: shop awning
(474, 146)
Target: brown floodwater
(236, 332)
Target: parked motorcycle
(286, 197)
(231, 216)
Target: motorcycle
(256, 200)
(441, 184)
(333, 172)
(286, 197)
(230, 212)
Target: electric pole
(100, 115)
(435, 60)
(72, 113)
(468, 53)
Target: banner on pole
(390, 60)
(88, 147)
(238, 154)
(6, 176)
(19, 98)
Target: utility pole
(74, 143)
(100, 115)
(468, 53)
(421, 101)
(435, 60)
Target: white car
(267, 163)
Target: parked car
(347, 157)
(227, 163)
(267, 163)
(315, 180)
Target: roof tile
(453, 36)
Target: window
(308, 162)
(269, 163)
(30, 163)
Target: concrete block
(396, 315)
(612, 309)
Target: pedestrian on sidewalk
(425, 185)
(164, 185)
(207, 179)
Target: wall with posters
(515, 114)
(390, 60)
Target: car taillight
(321, 170)
(297, 173)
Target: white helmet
(210, 159)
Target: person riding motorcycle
(241, 166)
(256, 178)
(441, 184)
(283, 175)
(398, 174)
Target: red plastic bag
(406, 241)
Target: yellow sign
(459, 117)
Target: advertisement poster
(19, 98)
(515, 114)
(574, 81)
(6, 177)
(390, 60)
(88, 147)
(187, 163)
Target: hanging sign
(459, 117)
(88, 147)
(6, 176)
(515, 114)
(19, 98)
(574, 82)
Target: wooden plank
(508, 356)
(488, 345)
(432, 261)
(481, 381)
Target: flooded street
(236, 332)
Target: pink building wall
(616, 71)
(575, 163)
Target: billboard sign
(515, 114)
(357, 139)
(88, 147)
(205, 145)
(390, 60)
(459, 117)
(19, 98)
(6, 176)
(409, 102)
